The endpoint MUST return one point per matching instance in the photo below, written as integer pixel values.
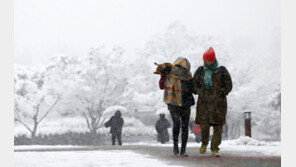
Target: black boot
(176, 149)
(183, 149)
(184, 141)
(183, 152)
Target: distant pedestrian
(115, 122)
(195, 128)
(161, 127)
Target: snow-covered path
(229, 148)
(240, 152)
(114, 158)
(137, 155)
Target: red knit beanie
(209, 55)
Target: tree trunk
(94, 132)
(33, 133)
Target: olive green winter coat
(212, 104)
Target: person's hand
(222, 93)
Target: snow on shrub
(131, 127)
(247, 141)
(163, 110)
(134, 127)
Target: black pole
(248, 131)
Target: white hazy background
(58, 50)
(43, 28)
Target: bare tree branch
(90, 112)
(106, 82)
(16, 107)
(38, 107)
(47, 112)
(87, 121)
(102, 120)
(26, 126)
(19, 119)
(97, 123)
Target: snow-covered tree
(101, 83)
(34, 99)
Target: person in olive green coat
(212, 84)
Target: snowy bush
(134, 127)
(245, 140)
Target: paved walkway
(194, 159)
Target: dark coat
(187, 97)
(161, 127)
(115, 122)
(212, 104)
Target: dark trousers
(197, 137)
(114, 136)
(180, 117)
(217, 136)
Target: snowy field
(85, 159)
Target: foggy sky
(45, 27)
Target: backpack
(196, 128)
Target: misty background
(43, 28)
(76, 62)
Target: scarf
(208, 74)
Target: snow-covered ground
(237, 146)
(34, 147)
(243, 146)
(114, 158)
